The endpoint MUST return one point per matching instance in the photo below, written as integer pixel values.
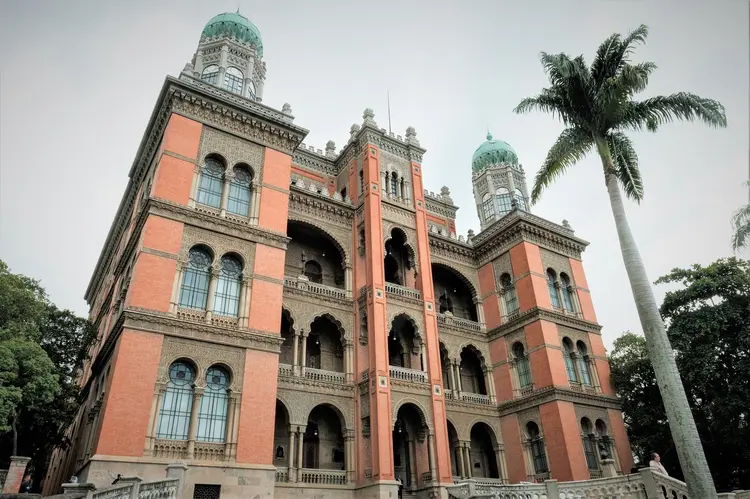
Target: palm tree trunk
(684, 432)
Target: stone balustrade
(402, 291)
(453, 321)
(282, 474)
(322, 477)
(328, 376)
(406, 374)
(133, 487)
(314, 287)
(476, 398)
(286, 370)
(163, 489)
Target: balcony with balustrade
(406, 352)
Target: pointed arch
(452, 269)
(411, 320)
(341, 248)
(481, 354)
(421, 411)
(344, 419)
(335, 321)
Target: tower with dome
(285, 320)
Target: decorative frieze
(319, 208)
(535, 314)
(203, 355)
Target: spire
(489, 135)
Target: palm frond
(741, 227)
(571, 146)
(625, 162)
(571, 82)
(547, 101)
(614, 93)
(603, 55)
(656, 111)
(614, 53)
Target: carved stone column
(193, 428)
(490, 383)
(383, 182)
(211, 292)
(222, 66)
(457, 366)
(300, 446)
(153, 421)
(423, 356)
(467, 451)
(515, 383)
(303, 360)
(228, 177)
(349, 456)
(407, 191)
(502, 467)
(228, 433)
(461, 471)
(452, 370)
(431, 455)
(348, 279)
(244, 300)
(174, 302)
(254, 202)
(295, 353)
(349, 361)
(194, 186)
(503, 307)
(290, 452)
(480, 310)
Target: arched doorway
(314, 254)
(404, 347)
(455, 448)
(453, 295)
(282, 445)
(483, 456)
(324, 348)
(410, 446)
(323, 442)
(398, 260)
(472, 373)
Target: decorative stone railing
(323, 477)
(328, 376)
(451, 320)
(402, 291)
(132, 487)
(191, 314)
(163, 489)
(491, 481)
(670, 487)
(282, 474)
(406, 374)
(449, 393)
(427, 477)
(314, 287)
(286, 370)
(170, 449)
(209, 451)
(117, 492)
(224, 321)
(476, 398)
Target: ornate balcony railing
(323, 477)
(209, 451)
(448, 393)
(285, 370)
(451, 320)
(406, 374)
(403, 291)
(282, 474)
(427, 477)
(328, 376)
(118, 492)
(476, 398)
(171, 449)
(313, 287)
(163, 489)
(671, 487)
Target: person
(400, 486)
(656, 465)
(26, 484)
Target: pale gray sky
(78, 82)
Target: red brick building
(296, 322)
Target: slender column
(303, 360)
(457, 365)
(459, 450)
(503, 307)
(411, 449)
(348, 361)
(211, 293)
(349, 456)
(574, 301)
(348, 280)
(295, 354)
(290, 456)
(242, 315)
(480, 311)
(193, 428)
(156, 406)
(593, 374)
(423, 356)
(558, 292)
(229, 430)
(228, 176)
(254, 203)
(431, 455)
(300, 446)
(194, 186)
(174, 302)
(454, 387)
(577, 367)
(383, 182)
(502, 468)
(222, 66)
(489, 384)
(467, 451)
(407, 191)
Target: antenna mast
(389, 111)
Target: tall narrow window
(394, 184)
(538, 454)
(194, 289)
(503, 201)
(238, 201)
(361, 182)
(511, 299)
(488, 209)
(227, 296)
(551, 279)
(566, 294)
(174, 415)
(583, 363)
(520, 200)
(569, 366)
(212, 413)
(522, 366)
(210, 74)
(233, 80)
(589, 444)
(211, 183)
(251, 90)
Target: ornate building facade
(296, 322)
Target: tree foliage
(741, 226)
(709, 327)
(42, 349)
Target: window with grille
(569, 366)
(539, 455)
(210, 74)
(589, 449)
(520, 200)
(511, 298)
(227, 295)
(238, 201)
(211, 183)
(488, 210)
(503, 201)
(551, 278)
(567, 297)
(203, 491)
(197, 275)
(523, 369)
(174, 415)
(212, 413)
(394, 184)
(583, 364)
(233, 80)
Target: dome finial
(489, 135)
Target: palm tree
(741, 226)
(595, 104)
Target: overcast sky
(78, 82)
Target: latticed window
(238, 201)
(583, 364)
(503, 201)
(194, 289)
(520, 201)
(212, 413)
(589, 449)
(211, 183)
(211, 74)
(551, 278)
(174, 416)
(523, 368)
(394, 184)
(233, 80)
(569, 366)
(567, 298)
(227, 296)
(511, 299)
(488, 209)
(538, 454)
(251, 90)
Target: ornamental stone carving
(305, 310)
(416, 317)
(218, 244)
(398, 400)
(203, 356)
(301, 403)
(234, 150)
(557, 262)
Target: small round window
(181, 374)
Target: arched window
(227, 295)
(566, 294)
(394, 183)
(523, 368)
(251, 90)
(194, 289)
(503, 200)
(314, 271)
(233, 80)
(551, 279)
(174, 415)
(361, 182)
(511, 299)
(569, 366)
(520, 200)
(538, 454)
(583, 363)
(603, 435)
(238, 201)
(488, 208)
(210, 74)
(212, 413)
(211, 183)
(589, 444)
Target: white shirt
(657, 467)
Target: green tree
(595, 104)
(741, 226)
(710, 331)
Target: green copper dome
(493, 152)
(237, 26)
